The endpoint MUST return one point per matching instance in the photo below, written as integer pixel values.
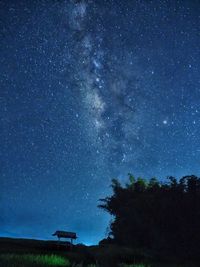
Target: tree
(162, 217)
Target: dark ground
(101, 256)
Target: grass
(53, 260)
(134, 265)
(35, 260)
(34, 253)
(26, 260)
(158, 265)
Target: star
(92, 90)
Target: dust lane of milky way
(92, 90)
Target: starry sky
(91, 90)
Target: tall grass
(29, 260)
(39, 260)
(134, 265)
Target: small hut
(67, 235)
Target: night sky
(89, 91)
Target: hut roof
(65, 234)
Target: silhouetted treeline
(163, 218)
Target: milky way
(92, 90)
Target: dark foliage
(163, 218)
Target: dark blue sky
(92, 90)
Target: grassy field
(30, 260)
(34, 253)
(25, 260)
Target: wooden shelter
(64, 234)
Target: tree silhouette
(163, 218)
